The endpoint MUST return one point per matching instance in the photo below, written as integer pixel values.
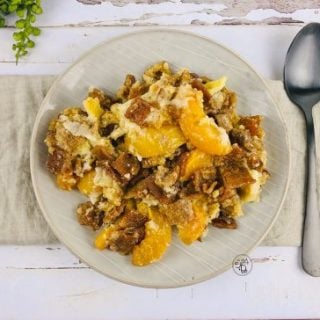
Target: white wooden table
(48, 282)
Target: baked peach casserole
(168, 152)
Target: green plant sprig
(26, 11)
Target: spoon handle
(311, 235)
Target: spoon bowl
(302, 84)
(302, 68)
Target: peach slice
(152, 142)
(86, 184)
(202, 131)
(193, 229)
(194, 160)
(156, 241)
(101, 239)
(93, 108)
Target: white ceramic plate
(105, 66)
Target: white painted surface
(264, 47)
(177, 12)
(41, 283)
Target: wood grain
(233, 7)
(61, 287)
(74, 14)
(233, 12)
(270, 45)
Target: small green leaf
(39, 10)
(17, 36)
(36, 31)
(4, 8)
(19, 44)
(28, 30)
(30, 44)
(32, 18)
(20, 24)
(12, 8)
(20, 13)
(34, 8)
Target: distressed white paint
(41, 283)
(263, 46)
(306, 15)
(51, 284)
(72, 13)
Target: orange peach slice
(86, 183)
(152, 142)
(193, 229)
(202, 131)
(195, 160)
(156, 241)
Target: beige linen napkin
(21, 221)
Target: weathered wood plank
(232, 11)
(37, 283)
(270, 45)
(232, 7)
(175, 12)
(56, 256)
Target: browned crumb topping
(146, 169)
(138, 111)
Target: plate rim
(56, 232)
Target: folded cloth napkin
(21, 221)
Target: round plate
(105, 67)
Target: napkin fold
(21, 221)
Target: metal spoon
(302, 84)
